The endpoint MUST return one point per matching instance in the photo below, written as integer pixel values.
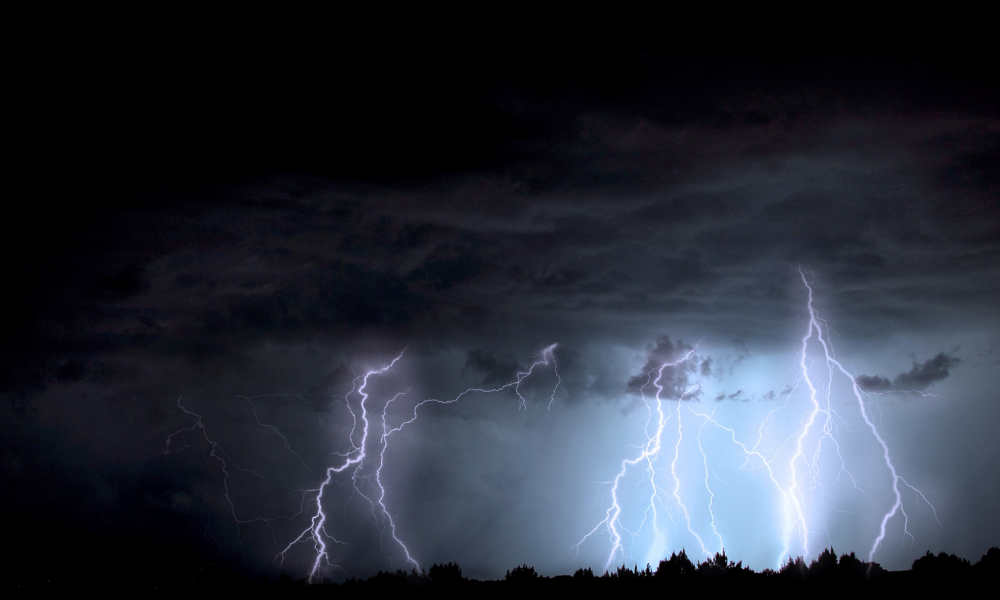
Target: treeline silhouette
(827, 572)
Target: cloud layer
(917, 379)
(473, 210)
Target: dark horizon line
(827, 567)
(681, 564)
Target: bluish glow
(767, 457)
(805, 469)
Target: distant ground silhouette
(825, 575)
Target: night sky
(242, 228)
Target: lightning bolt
(649, 454)
(217, 453)
(792, 465)
(354, 460)
(677, 482)
(708, 488)
(832, 363)
(316, 532)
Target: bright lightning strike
(648, 456)
(815, 323)
(792, 462)
(355, 459)
(796, 472)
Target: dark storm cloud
(706, 366)
(874, 383)
(739, 396)
(672, 379)
(700, 215)
(919, 378)
(924, 374)
(446, 266)
(494, 367)
(485, 207)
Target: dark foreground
(826, 576)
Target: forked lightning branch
(676, 476)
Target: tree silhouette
(678, 565)
(825, 572)
(989, 565)
(794, 569)
(719, 567)
(942, 566)
(624, 572)
(522, 574)
(449, 574)
(851, 567)
(824, 566)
